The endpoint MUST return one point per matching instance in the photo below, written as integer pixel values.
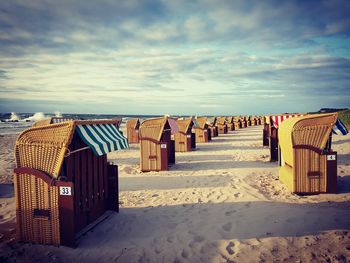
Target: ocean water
(15, 123)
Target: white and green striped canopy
(102, 138)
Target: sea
(15, 123)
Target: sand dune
(221, 203)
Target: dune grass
(345, 117)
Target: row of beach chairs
(64, 184)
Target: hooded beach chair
(237, 123)
(221, 124)
(266, 131)
(230, 123)
(201, 129)
(307, 164)
(184, 137)
(132, 130)
(243, 122)
(63, 182)
(212, 125)
(156, 147)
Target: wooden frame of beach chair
(306, 166)
(156, 147)
(221, 124)
(61, 186)
(132, 130)
(266, 131)
(184, 138)
(230, 123)
(202, 131)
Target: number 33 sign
(65, 190)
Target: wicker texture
(221, 120)
(34, 194)
(132, 130)
(43, 122)
(183, 137)
(201, 131)
(153, 128)
(155, 139)
(43, 147)
(40, 155)
(302, 140)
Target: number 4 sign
(65, 190)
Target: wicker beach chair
(63, 182)
(184, 138)
(157, 148)
(222, 125)
(132, 130)
(201, 129)
(306, 164)
(212, 125)
(230, 123)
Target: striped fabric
(339, 128)
(278, 119)
(102, 138)
(59, 120)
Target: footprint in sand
(228, 213)
(185, 253)
(227, 227)
(170, 239)
(230, 247)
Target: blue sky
(174, 57)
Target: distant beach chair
(157, 148)
(243, 122)
(248, 121)
(63, 182)
(50, 120)
(132, 130)
(266, 131)
(230, 123)
(237, 122)
(307, 164)
(212, 124)
(222, 125)
(253, 120)
(185, 140)
(201, 129)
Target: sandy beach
(220, 203)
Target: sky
(174, 57)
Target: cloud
(156, 54)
